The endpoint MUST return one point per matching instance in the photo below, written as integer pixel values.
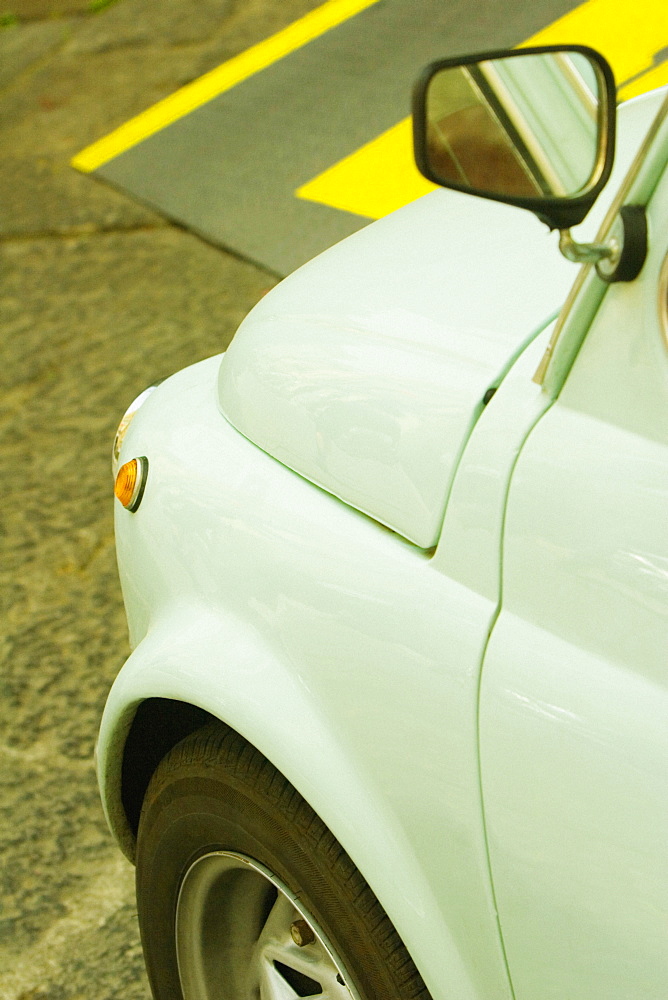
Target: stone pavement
(98, 298)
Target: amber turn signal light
(130, 483)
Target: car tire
(242, 892)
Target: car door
(574, 693)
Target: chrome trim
(125, 422)
(610, 216)
(138, 491)
(663, 300)
(588, 253)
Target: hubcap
(242, 935)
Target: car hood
(366, 369)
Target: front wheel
(243, 893)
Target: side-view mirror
(531, 127)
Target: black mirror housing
(531, 127)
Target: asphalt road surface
(275, 130)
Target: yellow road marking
(627, 33)
(381, 176)
(375, 179)
(223, 78)
(656, 77)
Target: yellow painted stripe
(656, 77)
(374, 180)
(381, 176)
(627, 32)
(223, 78)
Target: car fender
(338, 649)
(175, 661)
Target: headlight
(125, 423)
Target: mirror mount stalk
(588, 253)
(622, 257)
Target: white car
(396, 576)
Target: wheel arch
(196, 664)
(192, 667)
(156, 728)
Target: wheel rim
(241, 934)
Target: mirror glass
(524, 126)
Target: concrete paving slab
(87, 323)
(47, 196)
(23, 46)
(143, 22)
(36, 10)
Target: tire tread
(216, 746)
